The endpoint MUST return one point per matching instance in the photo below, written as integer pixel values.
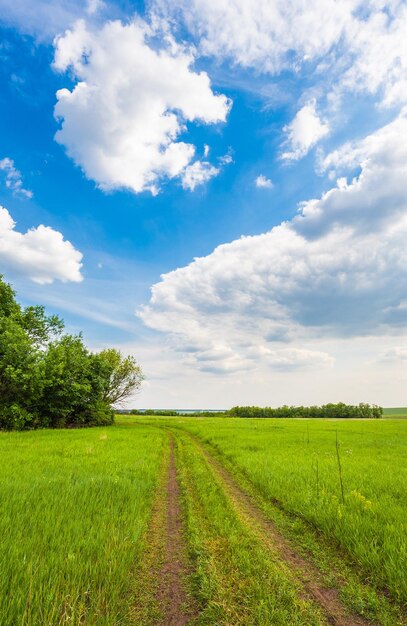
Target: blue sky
(257, 137)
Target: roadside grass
(74, 508)
(293, 464)
(236, 580)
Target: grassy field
(74, 505)
(395, 412)
(295, 463)
(251, 522)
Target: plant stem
(339, 468)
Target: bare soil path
(172, 594)
(307, 574)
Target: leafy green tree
(50, 379)
(122, 375)
(72, 386)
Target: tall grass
(237, 580)
(74, 505)
(296, 463)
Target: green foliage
(121, 375)
(162, 413)
(332, 411)
(172, 413)
(50, 379)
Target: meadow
(395, 412)
(74, 504)
(295, 463)
(272, 522)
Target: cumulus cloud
(14, 180)
(263, 183)
(42, 254)
(197, 174)
(132, 100)
(338, 269)
(304, 132)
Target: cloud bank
(338, 269)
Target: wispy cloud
(14, 180)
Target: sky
(218, 188)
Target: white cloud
(42, 254)
(378, 45)
(263, 183)
(398, 354)
(304, 132)
(197, 174)
(226, 159)
(342, 46)
(122, 120)
(269, 36)
(337, 269)
(14, 180)
(94, 6)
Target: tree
(51, 379)
(122, 375)
(72, 392)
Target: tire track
(304, 571)
(171, 593)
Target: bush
(15, 417)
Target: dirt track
(172, 595)
(303, 570)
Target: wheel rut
(172, 595)
(304, 571)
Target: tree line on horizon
(330, 410)
(339, 410)
(50, 379)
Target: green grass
(74, 505)
(77, 548)
(236, 579)
(280, 459)
(395, 412)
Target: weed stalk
(339, 468)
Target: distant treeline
(167, 413)
(340, 410)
